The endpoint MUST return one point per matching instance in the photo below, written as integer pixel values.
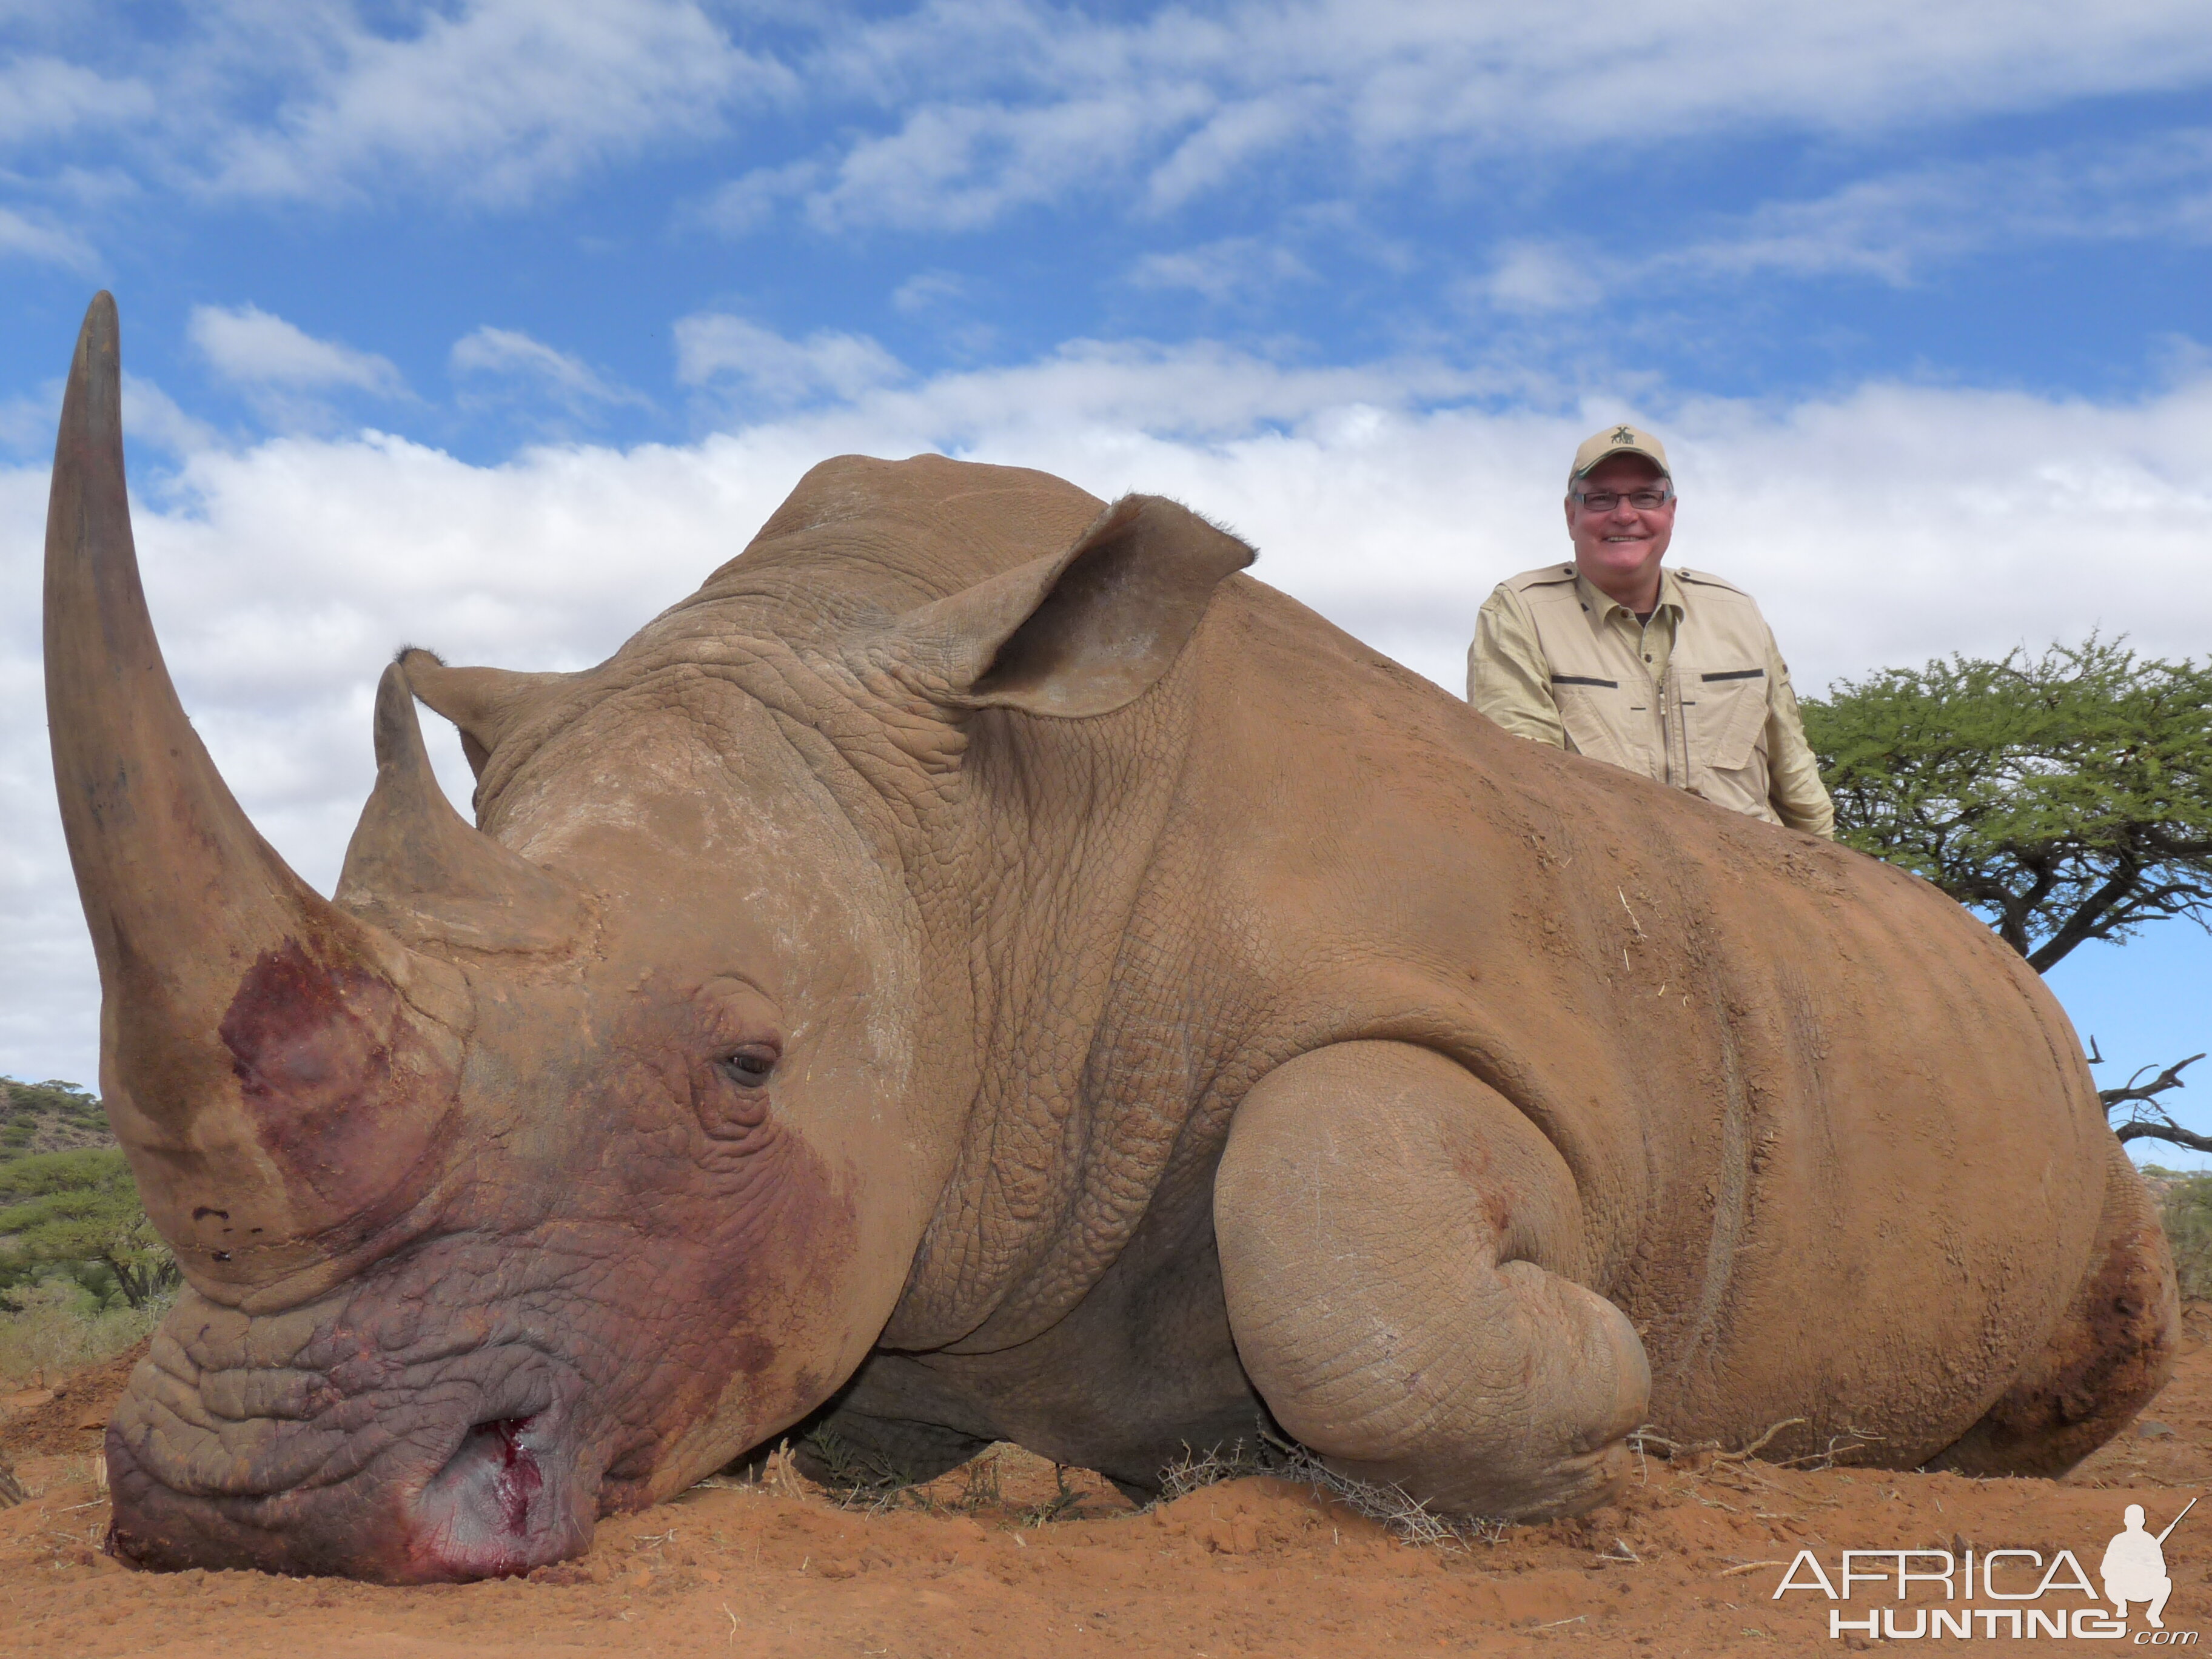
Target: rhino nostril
(507, 1500)
(497, 1447)
(490, 1485)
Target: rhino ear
(485, 703)
(1080, 633)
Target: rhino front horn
(276, 1069)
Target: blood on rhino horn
(277, 1069)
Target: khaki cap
(1623, 440)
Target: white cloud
(957, 168)
(927, 289)
(1230, 139)
(481, 101)
(1540, 277)
(152, 416)
(954, 113)
(1026, 104)
(712, 347)
(1892, 228)
(26, 238)
(1234, 267)
(747, 203)
(509, 353)
(1886, 524)
(494, 99)
(252, 347)
(44, 97)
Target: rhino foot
(1397, 1243)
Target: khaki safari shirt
(1699, 697)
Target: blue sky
(497, 324)
(1763, 207)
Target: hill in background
(52, 1117)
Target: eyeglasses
(1604, 501)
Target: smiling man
(1669, 673)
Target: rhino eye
(749, 1067)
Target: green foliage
(2186, 1209)
(82, 1273)
(76, 1214)
(2066, 798)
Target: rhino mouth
(466, 1465)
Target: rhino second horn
(266, 1057)
(416, 867)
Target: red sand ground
(1687, 1565)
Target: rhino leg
(2112, 1351)
(1399, 1248)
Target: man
(1671, 673)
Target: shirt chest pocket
(1727, 722)
(1592, 710)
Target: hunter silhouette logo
(2018, 1581)
(2134, 1567)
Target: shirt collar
(1602, 607)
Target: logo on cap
(1622, 434)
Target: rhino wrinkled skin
(982, 968)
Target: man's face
(1621, 547)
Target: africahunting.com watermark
(2027, 1597)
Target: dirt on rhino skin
(1010, 1557)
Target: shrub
(2186, 1208)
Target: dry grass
(1407, 1518)
(855, 1479)
(50, 1329)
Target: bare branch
(2090, 918)
(2155, 1125)
(2169, 1131)
(2168, 1079)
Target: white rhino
(983, 967)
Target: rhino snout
(355, 1461)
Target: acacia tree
(67, 1209)
(2065, 798)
